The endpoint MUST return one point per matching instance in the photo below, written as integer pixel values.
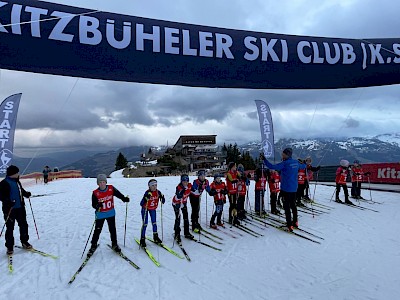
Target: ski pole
(369, 187)
(89, 237)
(206, 211)
(333, 194)
(33, 218)
(126, 216)
(8, 216)
(262, 198)
(162, 227)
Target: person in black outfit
(12, 195)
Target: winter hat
(356, 162)
(201, 173)
(101, 177)
(288, 151)
(12, 170)
(240, 168)
(344, 163)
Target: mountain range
(329, 151)
(323, 151)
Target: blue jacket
(289, 169)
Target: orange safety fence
(38, 176)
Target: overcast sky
(57, 111)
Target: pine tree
(121, 162)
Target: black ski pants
(99, 226)
(19, 215)
(289, 204)
(177, 225)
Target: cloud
(351, 123)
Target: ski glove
(99, 205)
(162, 198)
(28, 194)
(176, 206)
(125, 199)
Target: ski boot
(221, 224)
(116, 248)
(26, 245)
(338, 200)
(296, 224)
(178, 238)
(347, 201)
(143, 242)
(10, 251)
(236, 222)
(213, 226)
(156, 238)
(189, 236)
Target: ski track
(359, 258)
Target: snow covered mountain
(327, 151)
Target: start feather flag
(266, 128)
(8, 120)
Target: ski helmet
(344, 163)
(184, 177)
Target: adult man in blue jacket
(289, 169)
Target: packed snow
(359, 257)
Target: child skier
(179, 202)
(341, 177)
(149, 206)
(103, 203)
(243, 183)
(260, 177)
(232, 178)
(357, 175)
(309, 176)
(301, 184)
(219, 191)
(198, 186)
(274, 187)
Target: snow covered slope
(359, 258)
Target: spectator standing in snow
(12, 195)
(46, 172)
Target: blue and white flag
(8, 120)
(266, 128)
